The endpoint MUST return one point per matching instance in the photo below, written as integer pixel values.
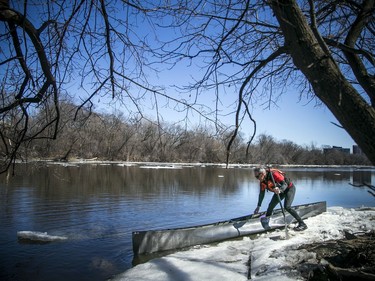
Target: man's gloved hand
(276, 190)
(256, 211)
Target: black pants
(288, 195)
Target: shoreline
(324, 250)
(183, 164)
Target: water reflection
(361, 177)
(85, 181)
(57, 181)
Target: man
(284, 189)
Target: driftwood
(349, 273)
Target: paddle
(281, 205)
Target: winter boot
(265, 221)
(300, 227)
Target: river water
(96, 207)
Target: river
(97, 206)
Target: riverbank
(338, 243)
(76, 161)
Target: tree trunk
(330, 86)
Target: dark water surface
(98, 206)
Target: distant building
(357, 150)
(336, 148)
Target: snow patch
(269, 256)
(39, 236)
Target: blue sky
(301, 121)
(298, 121)
(303, 124)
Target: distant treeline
(113, 137)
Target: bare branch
(359, 69)
(262, 64)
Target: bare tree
(349, 91)
(263, 48)
(86, 50)
(255, 49)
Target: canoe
(153, 241)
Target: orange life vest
(267, 183)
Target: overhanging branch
(263, 63)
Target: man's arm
(260, 199)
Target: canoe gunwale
(151, 241)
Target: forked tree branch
(263, 63)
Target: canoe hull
(169, 239)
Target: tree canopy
(84, 51)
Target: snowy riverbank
(268, 257)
